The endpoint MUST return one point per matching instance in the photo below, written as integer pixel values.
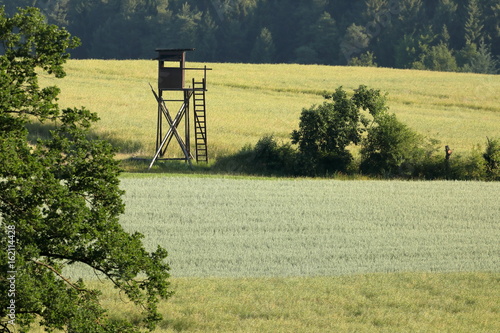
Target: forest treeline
(447, 35)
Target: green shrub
(270, 158)
(468, 166)
(492, 159)
(267, 157)
(391, 148)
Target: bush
(267, 157)
(492, 159)
(391, 148)
(270, 158)
(469, 166)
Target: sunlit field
(256, 227)
(247, 101)
(304, 255)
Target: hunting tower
(173, 91)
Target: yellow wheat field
(248, 101)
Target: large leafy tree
(327, 130)
(60, 199)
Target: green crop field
(250, 227)
(303, 255)
(246, 101)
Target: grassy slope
(248, 101)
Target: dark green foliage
(474, 23)
(437, 58)
(467, 166)
(61, 195)
(401, 34)
(263, 50)
(492, 158)
(366, 60)
(391, 148)
(326, 131)
(479, 60)
(272, 158)
(267, 157)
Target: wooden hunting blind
(171, 77)
(172, 84)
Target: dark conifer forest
(445, 35)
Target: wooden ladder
(200, 121)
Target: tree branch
(59, 274)
(82, 260)
(4, 328)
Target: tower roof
(170, 54)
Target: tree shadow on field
(42, 131)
